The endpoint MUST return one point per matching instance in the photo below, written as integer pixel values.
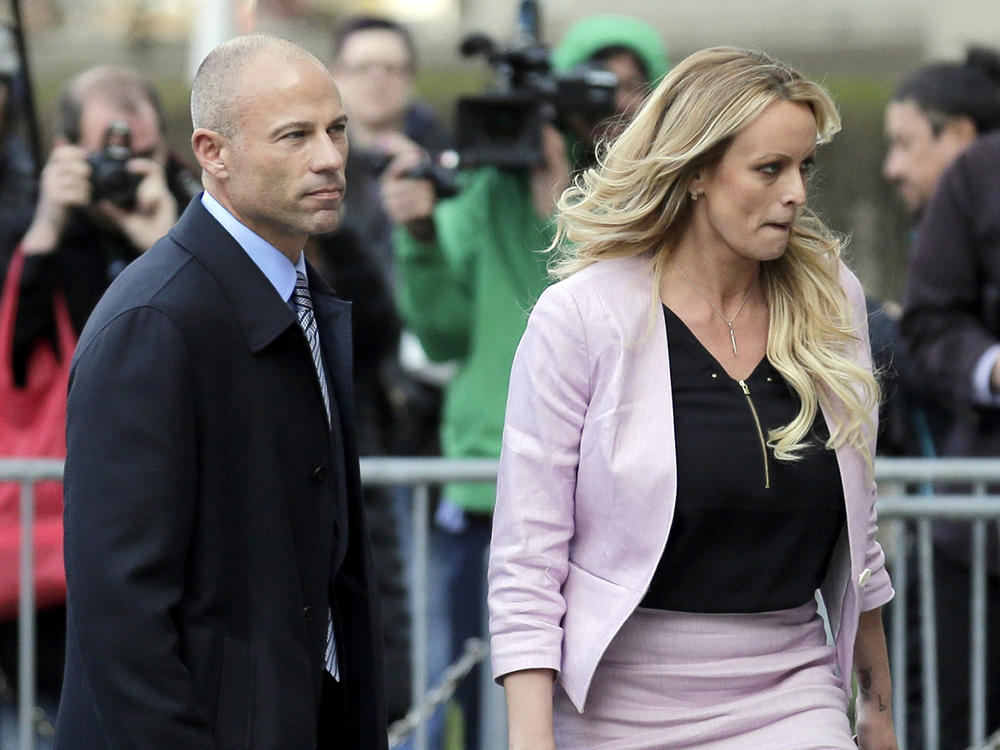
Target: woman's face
(751, 197)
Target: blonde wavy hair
(635, 201)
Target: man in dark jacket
(936, 113)
(951, 322)
(221, 592)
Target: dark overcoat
(212, 515)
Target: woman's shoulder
(607, 279)
(608, 301)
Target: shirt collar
(273, 263)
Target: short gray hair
(216, 91)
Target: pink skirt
(727, 682)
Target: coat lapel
(333, 318)
(262, 314)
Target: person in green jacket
(470, 269)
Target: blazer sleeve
(534, 517)
(878, 589)
(130, 487)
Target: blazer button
(308, 612)
(319, 474)
(863, 578)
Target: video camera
(109, 176)
(502, 127)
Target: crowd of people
(230, 583)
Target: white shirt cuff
(982, 394)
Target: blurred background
(858, 48)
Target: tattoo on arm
(865, 683)
(865, 689)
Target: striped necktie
(307, 321)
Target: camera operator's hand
(65, 184)
(155, 209)
(550, 179)
(409, 201)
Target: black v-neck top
(736, 544)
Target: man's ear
(210, 149)
(961, 129)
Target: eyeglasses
(393, 70)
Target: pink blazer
(587, 482)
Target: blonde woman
(687, 455)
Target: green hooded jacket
(467, 294)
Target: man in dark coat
(221, 591)
(951, 322)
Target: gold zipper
(760, 434)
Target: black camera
(109, 176)
(502, 128)
(439, 168)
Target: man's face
(917, 157)
(375, 72)
(631, 90)
(629, 96)
(147, 139)
(284, 167)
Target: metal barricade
(27, 472)
(906, 495)
(897, 504)
(422, 473)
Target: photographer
(109, 190)
(374, 63)
(470, 267)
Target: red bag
(33, 425)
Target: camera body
(502, 127)
(439, 168)
(109, 176)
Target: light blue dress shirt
(273, 263)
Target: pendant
(732, 337)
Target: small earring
(696, 194)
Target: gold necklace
(728, 321)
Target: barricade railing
(422, 474)
(27, 472)
(905, 498)
(909, 495)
